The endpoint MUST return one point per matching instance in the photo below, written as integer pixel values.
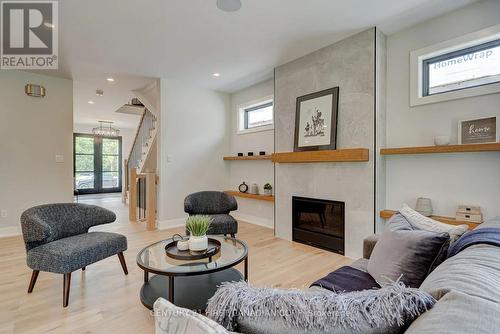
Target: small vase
(268, 192)
(198, 243)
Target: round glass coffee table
(189, 284)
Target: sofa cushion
(406, 254)
(69, 254)
(474, 271)
(456, 313)
(425, 223)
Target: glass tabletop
(154, 259)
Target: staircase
(144, 140)
(141, 181)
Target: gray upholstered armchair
(58, 240)
(217, 205)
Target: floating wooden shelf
(254, 157)
(252, 196)
(386, 214)
(442, 149)
(342, 155)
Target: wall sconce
(34, 90)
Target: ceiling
(116, 94)
(190, 40)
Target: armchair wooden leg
(66, 285)
(123, 263)
(34, 276)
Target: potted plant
(268, 189)
(198, 226)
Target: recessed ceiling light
(110, 79)
(91, 102)
(229, 5)
(216, 74)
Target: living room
(328, 167)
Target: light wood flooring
(104, 300)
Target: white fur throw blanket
(392, 305)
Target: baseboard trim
(12, 231)
(171, 223)
(254, 220)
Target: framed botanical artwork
(316, 121)
(479, 131)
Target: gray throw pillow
(406, 254)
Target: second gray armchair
(216, 204)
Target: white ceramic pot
(442, 140)
(268, 192)
(198, 243)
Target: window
(256, 116)
(465, 66)
(471, 67)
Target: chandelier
(106, 130)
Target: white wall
(194, 137)
(128, 136)
(259, 172)
(451, 179)
(32, 132)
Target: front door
(97, 164)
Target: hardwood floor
(104, 300)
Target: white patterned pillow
(425, 223)
(170, 319)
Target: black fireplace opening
(319, 223)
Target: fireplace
(319, 223)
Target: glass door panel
(84, 163)
(110, 163)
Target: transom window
(469, 67)
(256, 116)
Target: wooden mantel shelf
(386, 214)
(442, 149)
(342, 155)
(252, 196)
(254, 157)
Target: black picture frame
(334, 92)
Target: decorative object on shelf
(243, 188)
(254, 189)
(99, 92)
(479, 131)
(106, 130)
(182, 243)
(34, 90)
(424, 206)
(240, 154)
(250, 154)
(469, 213)
(268, 189)
(316, 121)
(442, 140)
(198, 226)
(262, 153)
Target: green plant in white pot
(198, 227)
(268, 189)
